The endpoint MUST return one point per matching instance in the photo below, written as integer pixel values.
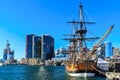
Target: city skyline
(22, 17)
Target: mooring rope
(98, 70)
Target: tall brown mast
(78, 39)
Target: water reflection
(26, 72)
(58, 73)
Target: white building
(103, 65)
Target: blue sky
(21, 17)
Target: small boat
(1, 64)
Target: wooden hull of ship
(81, 69)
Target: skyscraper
(105, 50)
(108, 50)
(31, 46)
(39, 47)
(29, 39)
(47, 47)
(7, 53)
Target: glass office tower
(47, 47)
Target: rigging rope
(98, 70)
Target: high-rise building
(108, 51)
(32, 43)
(29, 39)
(105, 50)
(39, 47)
(116, 51)
(7, 53)
(47, 47)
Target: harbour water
(29, 72)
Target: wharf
(114, 70)
(36, 61)
(113, 75)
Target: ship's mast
(82, 31)
(81, 26)
(78, 39)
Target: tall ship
(80, 62)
